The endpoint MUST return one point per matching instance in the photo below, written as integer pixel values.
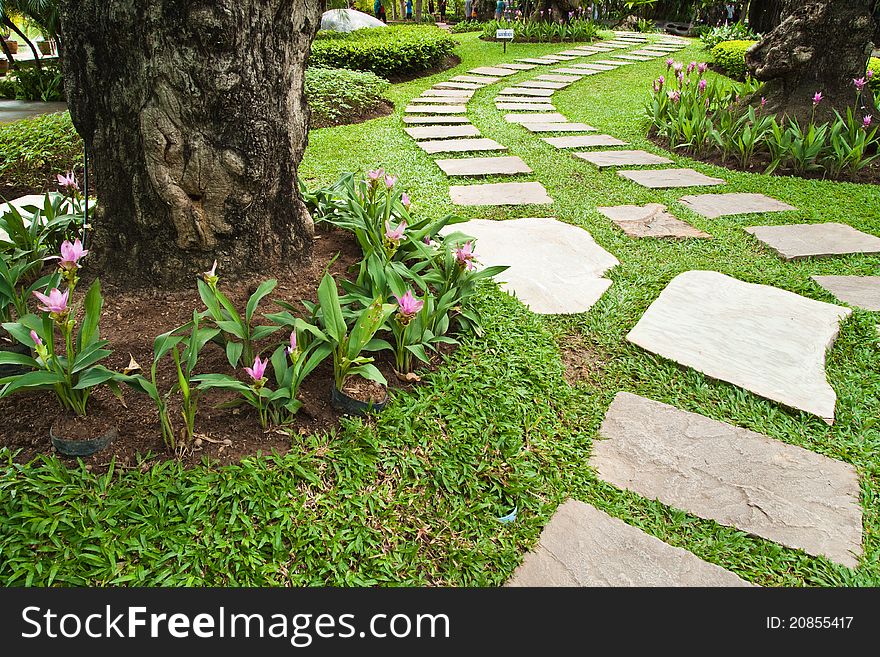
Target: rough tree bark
(764, 15)
(820, 46)
(195, 120)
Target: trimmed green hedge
(730, 57)
(337, 96)
(389, 52)
(874, 67)
(31, 150)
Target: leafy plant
(730, 57)
(44, 84)
(576, 29)
(29, 233)
(338, 96)
(731, 32)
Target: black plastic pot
(83, 447)
(351, 406)
(14, 370)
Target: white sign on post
(504, 36)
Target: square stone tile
(443, 131)
(517, 67)
(635, 58)
(546, 100)
(559, 127)
(448, 93)
(807, 240)
(560, 58)
(597, 67)
(719, 205)
(546, 117)
(573, 53)
(476, 79)
(534, 60)
(584, 141)
(471, 86)
(650, 220)
(494, 71)
(483, 166)
(543, 84)
(523, 193)
(437, 100)
(435, 109)
(555, 78)
(532, 107)
(769, 341)
(435, 120)
(859, 291)
(603, 159)
(666, 178)
(460, 145)
(571, 70)
(525, 91)
(612, 63)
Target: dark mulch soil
(451, 61)
(132, 319)
(380, 109)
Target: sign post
(504, 36)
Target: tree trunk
(7, 52)
(820, 46)
(765, 15)
(417, 11)
(194, 117)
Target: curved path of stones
(764, 339)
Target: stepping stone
(575, 53)
(559, 127)
(584, 141)
(549, 117)
(766, 340)
(560, 58)
(611, 63)
(718, 205)
(596, 67)
(555, 268)
(518, 67)
(533, 107)
(583, 546)
(481, 80)
(460, 145)
(525, 91)
(436, 119)
(448, 93)
(493, 71)
(635, 58)
(859, 291)
(472, 86)
(733, 476)
(557, 79)
(524, 193)
(665, 178)
(437, 100)
(534, 60)
(604, 159)
(543, 84)
(575, 71)
(443, 131)
(483, 166)
(806, 240)
(650, 53)
(650, 220)
(523, 99)
(436, 109)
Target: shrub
(338, 96)
(874, 67)
(730, 57)
(467, 26)
(393, 51)
(32, 149)
(733, 32)
(543, 32)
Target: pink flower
(292, 348)
(36, 338)
(674, 95)
(866, 122)
(409, 305)
(71, 254)
(373, 176)
(258, 371)
(404, 199)
(702, 67)
(702, 86)
(817, 98)
(394, 234)
(669, 63)
(860, 83)
(677, 67)
(661, 80)
(67, 181)
(389, 181)
(681, 77)
(55, 303)
(869, 74)
(465, 255)
(691, 67)
(763, 101)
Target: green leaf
(30, 381)
(265, 288)
(369, 372)
(419, 351)
(94, 377)
(370, 320)
(210, 300)
(328, 298)
(233, 352)
(93, 303)
(222, 381)
(89, 357)
(12, 358)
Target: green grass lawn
(413, 498)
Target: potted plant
(67, 358)
(368, 391)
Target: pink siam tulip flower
(258, 371)
(675, 95)
(681, 77)
(71, 254)
(702, 86)
(669, 63)
(409, 304)
(869, 74)
(677, 67)
(373, 177)
(860, 83)
(394, 234)
(404, 200)
(390, 180)
(55, 303)
(292, 348)
(817, 98)
(866, 122)
(702, 67)
(465, 255)
(691, 67)
(36, 338)
(763, 101)
(67, 181)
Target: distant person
(441, 6)
(377, 9)
(499, 10)
(731, 9)
(468, 8)
(409, 10)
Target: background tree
(820, 46)
(42, 12)
(195, 120)
(764, 15)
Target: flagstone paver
(733, 476)
(666, 178)
(437, 100)
(719, 205)
(517, 67)
(448, 93)
(859, 291)
(477, 79)
(574, 53)
(436, 109)
(533, 107)
(443, 131)
(806, 240)
(494, 71)
(769, 341)
(571, 70)
(472, 86)
(555, 268)
(595, 67)
(584, 141)
(613, 63)
(460, 145)
(547, 100)
(556, 78)
(483, 166)
(652, 220)
(547, 117)
(534, 60)
(635, 58)
(543, 84)
(435, 119)
(525, 91)
(558, 127)
(560, 58)
(603, 159)
(583, 546)
(522, 193)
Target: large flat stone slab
(859, 291)
(437, 100)
(552, 78)
(518, 67)
(494, 71)
(555, 268)
(472, 86)
(611, 62)
(808, 240)
(733, 476)
(460, 145)
(481, 80)
(436, 109)
(483, 166)
(545, 117)
(525, 91)
(766, 340)
(571, 70)
(583, 546)
(448, 93)
(574, 53)
(533, 107)
(559, 127)
(650, 220)
(596, 67)
(635, 58)
(546, 100)
(543, 84)
(719, 205)
(434, 120)
(665, 178)
(443, 131)
(559, 58)
(604, 159)
(584, 141)
(534, 60)
(522, 193)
